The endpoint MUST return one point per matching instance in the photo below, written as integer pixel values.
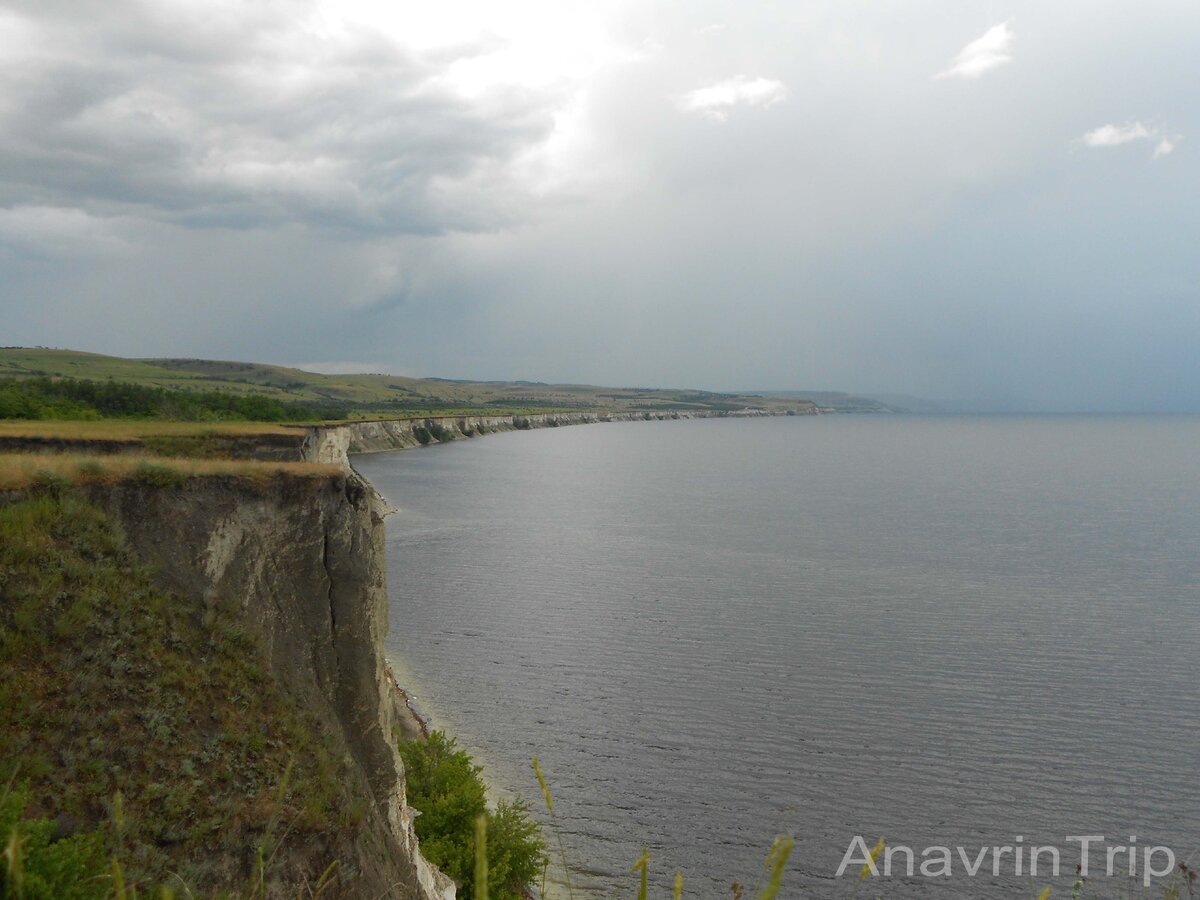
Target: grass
(157, 438)
(21, 471)
(56, 397)
(135, 429)
(124, 703)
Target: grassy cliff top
(19, 471)
(134, 429)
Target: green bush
(42, 862)
(445, 785)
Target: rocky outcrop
(303, 557)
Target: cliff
(335, 443)
(209, 647)
(302, 562)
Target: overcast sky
(995, 202)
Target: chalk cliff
(334, 443)
(303, 559)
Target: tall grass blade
(14, 863)
(481, 867)
(562, 851)
(869, 867)
(537, 770)
(326, 879)
(119, 892)
(643, 865)
(777, 860)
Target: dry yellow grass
(22, 470)
(133, 429)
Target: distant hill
(836, 401)
(376, 395)
(910, 404)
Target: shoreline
(412, 723)
(337, 443)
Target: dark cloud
(245, 117)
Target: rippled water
(941, 630)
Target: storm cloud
(988, 205)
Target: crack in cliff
(333, 636)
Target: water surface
(941, 630)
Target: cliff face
(333, 444)
(302, 558)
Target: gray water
(939, 630)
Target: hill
(837, 401)
(377, 395)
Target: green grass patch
(41, 397)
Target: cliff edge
(302, 561)
(193, 669)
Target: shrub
(158, 476)
(445, 785)
(42, 862)
(46, 481)
(90, 469)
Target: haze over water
(940, 630)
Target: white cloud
(982, 54)
(718, 100)
(1114, 135)
(1165, 146)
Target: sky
(994, 204)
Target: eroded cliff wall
(334, 443)
(303, 560)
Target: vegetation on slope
(69, 398)
(114, 689)
(445, 785)
(42, 860)
(19, 471)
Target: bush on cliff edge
(445, 785)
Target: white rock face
(335, 443)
